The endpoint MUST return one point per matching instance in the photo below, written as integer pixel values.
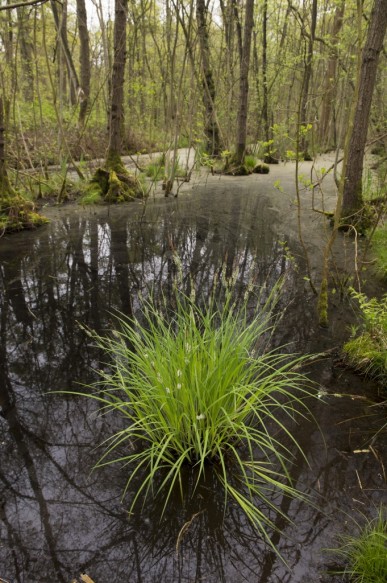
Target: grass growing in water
(198, 388)
(366, 554)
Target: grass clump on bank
(366, 554)
(367, 349)
(379, 246)
(197, 388)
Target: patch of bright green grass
(366, 554)
(197, 387)
(250, 162)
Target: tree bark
(353, 170)
(84, 61)
(244, 84)
(26, 51)
(307, 79)
(62, 33)
(327, 131)
(116, 112)
(211, 129)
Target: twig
(184, 529)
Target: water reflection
(58, 519)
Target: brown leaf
(85, 578)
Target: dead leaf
(85, 578)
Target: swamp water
(57, 518)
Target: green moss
(109, 186)
(120, 189)
(17, 214)
(241, 170)
(114, 162)
(322, 304)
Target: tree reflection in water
(58, 519)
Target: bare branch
(21, 4)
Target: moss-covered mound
(368, 354)
(17, 213)
(240, 170)
(261, 169)
(110, 186)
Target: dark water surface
(57, 519)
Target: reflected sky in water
(57, 518)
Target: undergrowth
(367, 349)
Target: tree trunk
(353, 170)
(62, 33)
(5, 187)
(26, 51)
(116, 113)
(327, 131)
(84, 61)
(306, 81)
(244, 85)
(211, 129)
(265, 105)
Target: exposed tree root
(114, 186)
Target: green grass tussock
(365, 555)
(198, 387)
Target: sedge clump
(199, 387)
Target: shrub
(198, 388)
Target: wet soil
(59, 519)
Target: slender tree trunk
(26, 51)
(211, 129)
(116, 114)
(353, 171)
(62, 34)
(265, 104)
(327, 131)
(244, 84)
(84, 61)
(307, 79)
(5, 188)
